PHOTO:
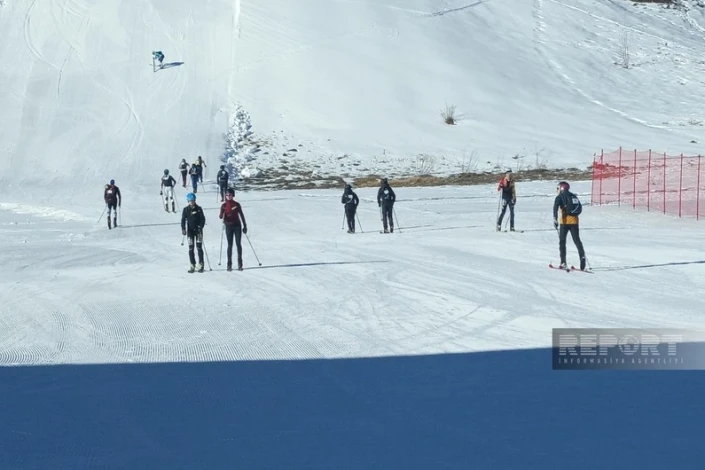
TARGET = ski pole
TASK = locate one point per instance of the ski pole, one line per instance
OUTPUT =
(358, 223)
(253, 249)
(342, 225)
(221, 245)
(101, 215)
(206, 252)
(395, 216)
(183, 239)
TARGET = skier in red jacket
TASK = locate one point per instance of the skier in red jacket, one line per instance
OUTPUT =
(231, 213)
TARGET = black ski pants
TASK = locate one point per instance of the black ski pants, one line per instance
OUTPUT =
(236, 231)
(112, 212)
(195, 238)
(223, 188)
(388, 216)
(183, 177)
(574, 230)
(507, 202)
(350, 210)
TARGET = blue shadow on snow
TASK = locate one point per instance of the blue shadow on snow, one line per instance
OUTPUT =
(489, 410)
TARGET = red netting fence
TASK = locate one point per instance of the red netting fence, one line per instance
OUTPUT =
(673, 184)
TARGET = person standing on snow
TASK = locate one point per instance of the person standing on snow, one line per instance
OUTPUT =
(571, 208)
(183, 167)
(509, 198)
(385, 200)
(113, 199)
(222, 178)
(193, 172)
(167, 190)
(231, 214)
(192, 222)
(201, 166)
(351, 201)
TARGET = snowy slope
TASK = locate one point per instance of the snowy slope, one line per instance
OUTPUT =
(356, 87)
(421, 349)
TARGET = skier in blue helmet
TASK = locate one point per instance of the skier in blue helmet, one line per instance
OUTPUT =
(192, 222)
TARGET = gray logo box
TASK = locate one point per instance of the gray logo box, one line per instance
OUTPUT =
(628, 349)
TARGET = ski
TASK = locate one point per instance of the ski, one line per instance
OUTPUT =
(589, 271)
(558, 267)
(515, 231)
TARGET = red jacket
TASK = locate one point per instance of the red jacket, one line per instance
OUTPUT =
(231, 213)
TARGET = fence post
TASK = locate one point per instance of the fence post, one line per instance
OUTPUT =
(648, 187)
(634, 189)
(664, 182)
(680, 191)
(697, 201)
(619, 179)
(602, 171)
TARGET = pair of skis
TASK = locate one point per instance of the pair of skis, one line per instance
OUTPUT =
(569, 269)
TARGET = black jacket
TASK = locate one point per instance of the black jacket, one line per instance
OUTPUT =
(194, 216)
(386, 195)
(349, 197)
(223, 177)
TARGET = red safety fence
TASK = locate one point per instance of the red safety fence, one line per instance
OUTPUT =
(646, 179)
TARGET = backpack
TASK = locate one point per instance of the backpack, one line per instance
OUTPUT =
(573, 206)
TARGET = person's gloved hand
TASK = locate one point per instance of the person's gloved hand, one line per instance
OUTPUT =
(555, 224)
(244, 229)
(183, 232)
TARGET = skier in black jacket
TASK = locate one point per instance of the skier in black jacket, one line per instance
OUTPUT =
(223, 178)
(192, 222)
(351, 201)
(385, 200)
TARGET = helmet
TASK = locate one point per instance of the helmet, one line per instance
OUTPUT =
(563, 185)
(190, 197)
(509, 170)
(384, 181)
(222, 167)
(166, 172)
(347, 186)
(112, 181)
(183, 159)
(230, 191)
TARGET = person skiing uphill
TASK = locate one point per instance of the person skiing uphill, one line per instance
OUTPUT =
(159, 56)
(193, 172)
(167, 190)
(509, 198)
(201, 166)
(385, 200)
(351, 201)
(222, 178)
(571, 208)
(183, 167)
(192, 222)
(231, 214)
(113, 199)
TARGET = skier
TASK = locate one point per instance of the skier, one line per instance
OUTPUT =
(385, 200)
(222, 178)
(571, 208)
(159, 56)
(167, 190)
(351, 201)
(193, 172)
(113, 199)
(231, 213)
(183, 167)
(509, 198)
(196, 219)
(201, 166)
